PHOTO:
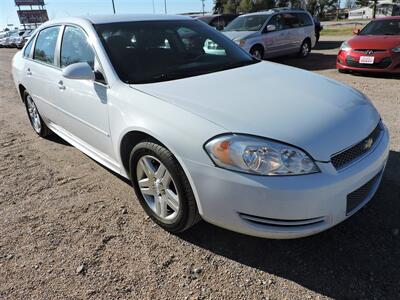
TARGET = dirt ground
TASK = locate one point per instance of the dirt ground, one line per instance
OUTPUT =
(70, 229)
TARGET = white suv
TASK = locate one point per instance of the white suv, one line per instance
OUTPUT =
(273, 33)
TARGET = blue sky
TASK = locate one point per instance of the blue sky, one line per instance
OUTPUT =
(62, 8)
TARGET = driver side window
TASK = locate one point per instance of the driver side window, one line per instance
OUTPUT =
(277, 21)
(75, 48)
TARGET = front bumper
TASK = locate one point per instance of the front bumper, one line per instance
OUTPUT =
(384, 62)
(287, 206)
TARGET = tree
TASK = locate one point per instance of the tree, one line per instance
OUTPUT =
(218, 6)
(350, 4)
(231, 6)
(246, 5)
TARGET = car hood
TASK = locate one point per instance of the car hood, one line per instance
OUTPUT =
(374, 42)
(314, 113)
(233, 35)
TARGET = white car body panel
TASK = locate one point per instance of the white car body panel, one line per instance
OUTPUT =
(268, 100)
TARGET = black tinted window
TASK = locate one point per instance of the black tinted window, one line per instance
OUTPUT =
(46, 45)
(152, 51)
(290, 21)
(304, 20)
(75, 48)
(28, 48)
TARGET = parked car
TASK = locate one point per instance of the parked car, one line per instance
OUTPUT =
(15, 38)
(219, 22)
(5, 39)
(272, 33)
(23, 36)
(222, 137)
(376, 48)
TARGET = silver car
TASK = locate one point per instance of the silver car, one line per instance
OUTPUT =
(273, 33)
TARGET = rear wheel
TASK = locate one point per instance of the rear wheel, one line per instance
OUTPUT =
(305, 49)
(257, 52)
(162, 187)
(34, 117)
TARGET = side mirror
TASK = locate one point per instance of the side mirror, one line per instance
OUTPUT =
(220, 27)
(80, 71)
(271, 28)
(356, 31)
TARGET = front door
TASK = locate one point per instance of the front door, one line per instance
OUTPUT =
(275, 42)
(84, 103)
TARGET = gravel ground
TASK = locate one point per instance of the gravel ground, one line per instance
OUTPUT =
(71, 229)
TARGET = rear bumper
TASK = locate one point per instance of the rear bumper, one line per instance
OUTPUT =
(385, 62)
(289, 206)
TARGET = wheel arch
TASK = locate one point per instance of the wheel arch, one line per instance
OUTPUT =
(134, 136)
(21, 90)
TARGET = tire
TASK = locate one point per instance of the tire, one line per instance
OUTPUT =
(153, 192)
(34, 117)
(305, 48)
(343, 71)
(257, 52)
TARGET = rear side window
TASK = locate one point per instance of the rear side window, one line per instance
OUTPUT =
(75, 48)
(28, 48)
(46, 45)
(290, 21)
(304, 20)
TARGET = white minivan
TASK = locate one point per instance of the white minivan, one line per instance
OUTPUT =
(273, 33)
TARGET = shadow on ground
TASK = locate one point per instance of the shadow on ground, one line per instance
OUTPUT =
(359, 258)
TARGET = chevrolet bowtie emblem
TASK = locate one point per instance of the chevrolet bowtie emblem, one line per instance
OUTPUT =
(368, 143)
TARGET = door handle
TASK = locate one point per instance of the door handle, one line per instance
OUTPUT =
(61, 85)
(28, 72)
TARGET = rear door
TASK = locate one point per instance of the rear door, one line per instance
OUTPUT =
(41, 71)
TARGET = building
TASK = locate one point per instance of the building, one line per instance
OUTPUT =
(383, 8)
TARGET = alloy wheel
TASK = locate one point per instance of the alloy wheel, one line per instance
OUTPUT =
(158, 188)
(33, 114)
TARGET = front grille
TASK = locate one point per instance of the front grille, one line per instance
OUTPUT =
(357, 197)
(383, 64)
(280, 222)
(342, 159)
(369, 51)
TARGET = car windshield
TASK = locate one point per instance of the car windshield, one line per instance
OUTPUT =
(153, 51)
(382, 27)
(247, 23)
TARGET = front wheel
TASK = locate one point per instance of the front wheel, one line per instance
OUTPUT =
(305, 49)
(162, 187)
(257, 52)
(34, 117)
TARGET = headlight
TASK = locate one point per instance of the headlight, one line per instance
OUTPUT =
(345, 47)
(396, 50)
(259, 156)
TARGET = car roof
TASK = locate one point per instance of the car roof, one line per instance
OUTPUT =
(101, 19)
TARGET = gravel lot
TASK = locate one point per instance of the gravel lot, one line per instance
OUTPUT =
(70, 229)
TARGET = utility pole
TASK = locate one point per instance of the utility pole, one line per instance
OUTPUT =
(154, 8)
(165, 6)
(113, 6)
(204, 5)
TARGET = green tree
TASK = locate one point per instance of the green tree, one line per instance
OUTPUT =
(231, 7)
(218, 6)
(246, 6)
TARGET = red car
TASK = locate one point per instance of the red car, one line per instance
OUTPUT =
(376, 48)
